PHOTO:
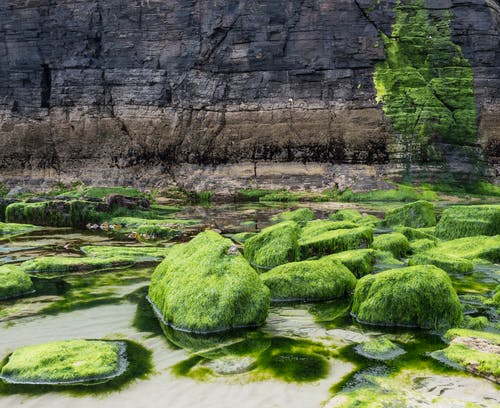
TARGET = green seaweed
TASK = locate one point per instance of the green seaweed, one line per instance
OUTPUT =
(14, 282)
(358, 261)
(300, 216)
(379, 348)
(395, 242)
(448, 263)
(465, 221)
(416, 233)
(472, 248)
(419, 214)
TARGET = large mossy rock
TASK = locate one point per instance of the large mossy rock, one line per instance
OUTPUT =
(473, 351)
(416, 296)
(467, 221)
(273, 246)
(65, 362)
(323, 279)
(14, 282)
(419, 214)
(395, 242)
(358, 261)
(333, 241)
(206, 285)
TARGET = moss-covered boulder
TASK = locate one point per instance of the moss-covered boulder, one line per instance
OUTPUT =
(421, 245)
(333, 241)
(314, 228)
(477, 247)
(301, 216)
(467, 221)
(419, 214)
(474, 351)
(323, 279)
(358, 261)
(380, 348)
(273, 246)
(65, 362)
(14, 282)
(416, 233)
(394, 242)
(416, 296)
(448, 263)
(206, 285)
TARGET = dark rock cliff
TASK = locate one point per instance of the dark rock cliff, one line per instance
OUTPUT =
(117, 84)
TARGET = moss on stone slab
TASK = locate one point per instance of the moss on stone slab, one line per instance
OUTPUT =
(137, 253)
(16, 229)
(14, 282)
(421, 245)
(47, 264)
(314, 228)
(65, 362)
(300, 216)
(448, 263)
(273, 246)
(318, 280)
(416, 296)
(466, 221)
(380, 348)
(358, 261)
(394, 242)
(419, 214)
(346, 215)
(416, 233)
(334, 241)
(472, 248)
(206, 285)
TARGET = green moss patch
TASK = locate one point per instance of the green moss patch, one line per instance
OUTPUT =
(395, 242)
(137, 253)
(358, 261)
(416, 296)
(14, 282)
(309, 280)
(448, 263)
(422, 245)
(206, 285)
(301, 216)
(333, 241)
(419, 214)
(65, 362)
(314, 228)
(380, 348)
(12, 229)
(273, 246)
(471, 220)
(416, 233)
(354, 216)
(472, 248)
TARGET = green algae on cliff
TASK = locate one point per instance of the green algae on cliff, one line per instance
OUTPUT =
(14, 282)
(206, 285)
(416, 296)
(465, 221)
(426, 84)
(323, 279)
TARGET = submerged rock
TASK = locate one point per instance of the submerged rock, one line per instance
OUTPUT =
(323, 279)
(14, 282)
(358, 261)
(416, 215)
(395, 242)
(201, 287)
(66, 362)
(379, 348)
(273, 246)
(471, 220)
(416, 296)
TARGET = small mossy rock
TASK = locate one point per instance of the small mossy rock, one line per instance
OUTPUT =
(386, 258)
(300, 216)
(450, 264)
(416, 296)
(205, 285)
(477, 247)
(475, 323)
(346, 215)
(394, 242)
(309, 280)
(14, 282)
(416, 233)
(155, 232)
(380, 348)
(358, 261)
(419, 214)
(65, 362)
(466, 221)
(421, 245)
(338, 240)
(317, 227)
(273, 246)
(473, 351)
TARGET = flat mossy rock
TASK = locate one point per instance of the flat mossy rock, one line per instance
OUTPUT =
(395, 242)
(206, 285)
(317, 227)
(416, 233)
(14, 282)
(65, 362)
(467, 221)
(450, 264)
(379, 348)
(354, 216)
(136, 253)
(301, 216)
(473, 351)
(273, 246)
(421, 245)
(416, 296)
(16, 229)
(333, 241)
(477, 247)
(318, 280)
(419, 214)
(358, 261)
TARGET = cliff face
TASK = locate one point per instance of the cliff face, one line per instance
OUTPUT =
(125, 83)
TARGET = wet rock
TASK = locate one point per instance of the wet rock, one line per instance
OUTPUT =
(379, 348)
(231, 365)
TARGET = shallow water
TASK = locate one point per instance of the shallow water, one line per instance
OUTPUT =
(304, 356)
